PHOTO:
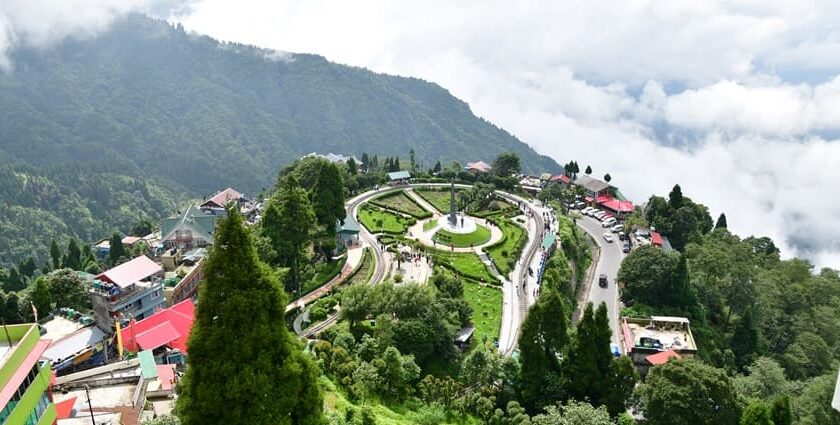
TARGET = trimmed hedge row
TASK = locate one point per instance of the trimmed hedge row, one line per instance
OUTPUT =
(378, 202)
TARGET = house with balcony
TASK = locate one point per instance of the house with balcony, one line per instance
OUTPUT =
(24, 377)
(594, 188)
(132, 290)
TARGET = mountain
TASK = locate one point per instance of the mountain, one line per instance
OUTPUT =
(183, 114)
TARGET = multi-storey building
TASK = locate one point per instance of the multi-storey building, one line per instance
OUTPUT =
(132, 290)
(24, 377)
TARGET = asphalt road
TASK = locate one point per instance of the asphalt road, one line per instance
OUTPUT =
(608, 264)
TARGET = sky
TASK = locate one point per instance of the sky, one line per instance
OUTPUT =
(737, 101)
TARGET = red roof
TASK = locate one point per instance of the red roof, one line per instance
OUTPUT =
(166, 327)
(656, 238)
(587, 198)
(618, 206)
(662, 357)
(130, 240)
(561, 177)
(65, 408)
(166, 374)
(221, 199)
(131, 272)
(602, 198)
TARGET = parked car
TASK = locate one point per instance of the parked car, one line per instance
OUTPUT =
(580, 204)
(625, 248)
(608, 237)
(587, 210)
(608, 222)
(602, 281)
(599, 215)
(617, 228)
(621, 236)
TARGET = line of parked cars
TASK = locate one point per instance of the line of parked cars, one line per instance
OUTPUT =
(610, 222)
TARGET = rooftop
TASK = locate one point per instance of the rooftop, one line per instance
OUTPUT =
(350, 225)
(131, 272)
(479, 166)
(592, 184)
(221, 199)
(194, 219)
(399, 175)
(170, 327)
(658, 333)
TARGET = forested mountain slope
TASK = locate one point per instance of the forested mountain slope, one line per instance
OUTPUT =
(207, 114)
(98, 132)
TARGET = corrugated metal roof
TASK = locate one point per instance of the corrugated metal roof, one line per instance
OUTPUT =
(147, 364)
(131, 272)
(399, 175)
(68, 346)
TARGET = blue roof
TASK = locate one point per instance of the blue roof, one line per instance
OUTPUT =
(548, 240)
(399, 175)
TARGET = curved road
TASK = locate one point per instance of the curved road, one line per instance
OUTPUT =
(515, 293)
(608, 264)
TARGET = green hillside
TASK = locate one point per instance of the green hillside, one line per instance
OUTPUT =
(180, 113)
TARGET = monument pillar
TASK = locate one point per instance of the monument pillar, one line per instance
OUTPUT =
(453, 219)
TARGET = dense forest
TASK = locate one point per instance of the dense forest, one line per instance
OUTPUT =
(149, 105)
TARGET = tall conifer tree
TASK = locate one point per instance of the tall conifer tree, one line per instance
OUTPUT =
(244, 366)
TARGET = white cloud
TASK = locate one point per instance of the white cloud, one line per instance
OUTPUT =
(616, 84)
(40, 22)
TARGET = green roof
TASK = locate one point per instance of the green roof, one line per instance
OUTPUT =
(193, 218)
(147, 364)
(350, 225)
(548, 240)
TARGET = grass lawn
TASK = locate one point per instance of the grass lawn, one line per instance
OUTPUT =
(324, 272)
(438, 198)
(463, 240)
(486, 303)
(513, 233)
(377, 220)
(400, 201)
(465, 263)
(429, 225)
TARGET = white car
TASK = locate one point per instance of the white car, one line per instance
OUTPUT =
(599, 215)
(608, 222)
(617, 228)
(608, 237)
(587, 210)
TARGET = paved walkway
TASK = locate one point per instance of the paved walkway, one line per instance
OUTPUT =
(416, 232)
(354, 257)
(423, 203)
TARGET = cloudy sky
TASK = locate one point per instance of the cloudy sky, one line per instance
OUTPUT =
(737, 101)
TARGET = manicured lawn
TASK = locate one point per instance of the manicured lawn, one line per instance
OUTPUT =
(377, 220)
(486, 303)
(400, 201)
(429, 225)
(365, 269)
(467, 264)
(438, 198)
(513, 233)
(463, 240)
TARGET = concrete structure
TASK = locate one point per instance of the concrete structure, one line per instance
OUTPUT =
(645, 339)
(594, 187)
(130, 290)
(164, 334)
(24, 377)
(453, 217)
(187, 286)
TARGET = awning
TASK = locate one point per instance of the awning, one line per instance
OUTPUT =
(158, 336)
(655, 238)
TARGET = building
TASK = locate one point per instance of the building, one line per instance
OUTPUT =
(647, 340)
(399, 177)
(75, 344)
(164, 333)
(615, 206)
(191, 229)
(594, 188)
(560, 178)
(221, 199)
(348, 233)
(131, 290)
(186, 287)
(24, 377)
(478, 167)
(334, 158)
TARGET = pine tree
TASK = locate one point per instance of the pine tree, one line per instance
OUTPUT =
(543, 337)
(15, 282)
(587, 366)
(588, 170)
(607, 177)
(116, 250)
(41, 297)
(288, 222)
(12, 311)
(28, 267)
(721, 221)
(746, 339)
(55, 253)
(73, 259)
(243, 362)
(352, 167)
(365, 161)
(411, 160)
(437, 167)
(328, 198)
(675, 198)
